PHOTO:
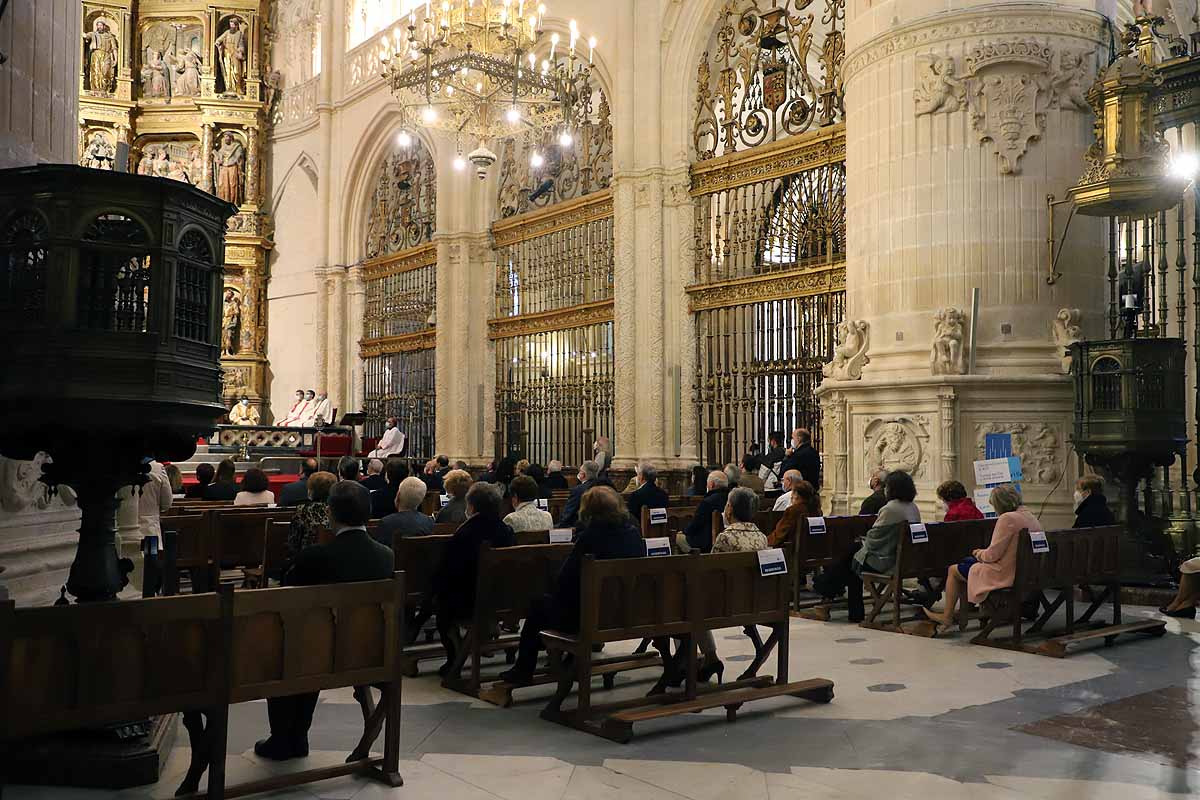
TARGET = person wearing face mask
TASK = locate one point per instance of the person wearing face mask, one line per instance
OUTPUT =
(301, 412)
(293, 414)
(952, 495)
(243, 413)
(391, 443)
(803, 458)
(309, 416)
(603, 455)
(1091, 506)
(323, 409)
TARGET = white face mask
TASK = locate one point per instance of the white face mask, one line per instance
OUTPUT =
(795, 444)
(245, 402)
(1079, 498)
(941, 504)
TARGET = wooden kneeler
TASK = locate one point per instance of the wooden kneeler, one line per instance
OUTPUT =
(671, 596)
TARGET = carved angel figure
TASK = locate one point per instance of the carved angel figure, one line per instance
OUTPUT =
(1067, 81)
(938, 88)
(945, 355)
(1066, 333)
(850, 355)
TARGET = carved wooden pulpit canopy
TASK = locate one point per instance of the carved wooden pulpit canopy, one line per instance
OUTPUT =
(110, 304)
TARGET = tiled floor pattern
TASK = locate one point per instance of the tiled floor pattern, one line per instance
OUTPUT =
(912, 719)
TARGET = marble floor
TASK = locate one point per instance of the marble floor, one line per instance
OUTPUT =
(913, 719)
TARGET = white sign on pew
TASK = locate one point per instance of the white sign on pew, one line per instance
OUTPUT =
(816, 526)
(991, 471)
(658, 516)
(543, 504)
(918, 533)
(561, 536)
(445, 500)
(1039, 541)
(660, 546)
(771, 562)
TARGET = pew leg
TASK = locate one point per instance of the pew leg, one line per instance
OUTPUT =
(566, 679)
(217, 737)
(642, 647)
(193, 723)
(762, 653)
(390, 702)
(783, 641)
(373, 719)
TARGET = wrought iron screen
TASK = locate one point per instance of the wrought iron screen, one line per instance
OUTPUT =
(402, 385)
(553, 330)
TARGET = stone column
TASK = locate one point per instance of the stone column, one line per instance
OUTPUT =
(252, 166)
(335, 371)
(356, 290)
(321, 335)
(959, 123)
(206, 146)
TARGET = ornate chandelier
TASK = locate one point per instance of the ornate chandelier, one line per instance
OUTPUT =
(472, 67)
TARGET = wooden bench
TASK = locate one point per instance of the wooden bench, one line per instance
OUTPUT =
(418, 557)
(1085, 557)
(71, 667)
(196, 552)
(809, 552)
(949, 543)
(678, 596)
(445, 528)
(556, 503)
(678, 518)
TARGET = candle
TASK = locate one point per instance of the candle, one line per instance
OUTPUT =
(591, 48)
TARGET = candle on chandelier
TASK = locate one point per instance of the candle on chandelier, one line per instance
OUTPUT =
(553, 44)
(591, 48)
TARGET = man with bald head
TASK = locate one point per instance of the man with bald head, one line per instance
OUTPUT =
(790, 479)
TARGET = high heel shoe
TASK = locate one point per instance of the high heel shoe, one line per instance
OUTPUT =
(1180, 613)
(705, 673)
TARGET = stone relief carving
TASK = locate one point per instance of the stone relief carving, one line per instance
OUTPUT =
(100, 152)
(404, 204)
(1066, 333)
(20, 489)
(180, 161)
(896, 443)
(172, 59)
(1039, 446)
(850, 354)
(1006, 86)
(946, 353)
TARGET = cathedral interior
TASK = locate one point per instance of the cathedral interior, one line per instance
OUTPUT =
(925, 238)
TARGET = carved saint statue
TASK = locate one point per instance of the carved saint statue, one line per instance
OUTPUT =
(945, 356)
(231, 50)
(187, 72)
(1067, 332)
(850, 355)
(231, 322)
(230, 156)
(156, 81)
(99, 154)
(100, 55)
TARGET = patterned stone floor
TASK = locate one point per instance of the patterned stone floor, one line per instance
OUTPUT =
(912, 719)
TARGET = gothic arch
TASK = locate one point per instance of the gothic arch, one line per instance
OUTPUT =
(305, 164)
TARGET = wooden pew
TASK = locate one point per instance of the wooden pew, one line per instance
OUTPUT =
(1084, 557)
(683, 501)
(445, 528)
(418, 557)
(556, 503)
(432, 504)
(196, 552)
(681, 596)
(678, 518)
(767, 520)
(949, 543)
(274, 556)
(812, 552)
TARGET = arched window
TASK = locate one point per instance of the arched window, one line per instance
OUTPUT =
(365, 18)
(1106, 384)
(23, 266)
(114, 281)
(193, 287)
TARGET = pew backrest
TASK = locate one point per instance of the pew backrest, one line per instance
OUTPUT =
(195, 548)
(444, 528)
(532, 537)
(1076, 556)
(418, 557)
(678, 518)
(767, 520)
(509, 578)
(949, 543)
(810, 551)
(307, 638)
(275, 548)
(634, 598)
(67, 667)
(731, 591)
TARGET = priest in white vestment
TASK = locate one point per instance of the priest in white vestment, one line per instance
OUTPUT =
(303, 415)
(292, 415)
(323, 409)
(243, 413)
(391, 443)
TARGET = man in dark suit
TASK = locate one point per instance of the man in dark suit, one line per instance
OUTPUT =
(296, 492)
(648, 494)
(436, 480)
(605, 533)
(374, 479)
(698, 535)
(453, 589)
(204, 476)
(589, 471)
(383, 501)
(408, 519)
(352, 556)
(348, 468)
(803, 458)
(555, 481)
(225, 486)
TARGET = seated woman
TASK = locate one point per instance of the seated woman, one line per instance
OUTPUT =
(605, 530)
(312, 516)
(453, 589)
(878, 551)
(456, 482)
(805, 503)
(958, 505)
(255, 491)
(995, 566)
(1184, 604)
(1091, 506)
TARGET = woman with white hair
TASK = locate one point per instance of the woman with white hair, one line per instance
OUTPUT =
(995, 566)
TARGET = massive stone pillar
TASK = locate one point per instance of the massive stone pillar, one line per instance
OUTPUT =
(356, 301)
(335, 382)
(959, 124)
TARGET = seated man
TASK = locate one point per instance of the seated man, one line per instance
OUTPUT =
(391, 443)
(348, 468)
(301, 414)
(589, 472)
(699, 535)
(204, 476)
(790, 479)
(374, 479)
(243, 413)
(351, 556)
(407, 519)
(648, 494)
(453, 590)
(296, 492)
(383, 501)
(605, 531)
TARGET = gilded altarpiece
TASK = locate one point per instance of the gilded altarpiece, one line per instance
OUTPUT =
(179, 89)
(769, 188)
(400, 274)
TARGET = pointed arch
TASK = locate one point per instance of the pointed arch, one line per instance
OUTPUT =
(307, 165)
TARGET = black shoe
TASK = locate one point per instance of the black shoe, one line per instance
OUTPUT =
(857, 618)
(516, 677)
(1179, 613)
(704, 675)
(277, 749)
